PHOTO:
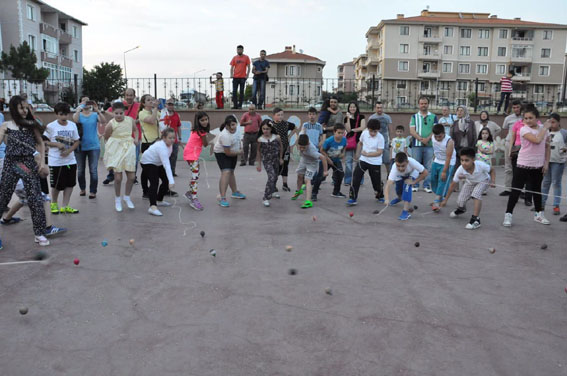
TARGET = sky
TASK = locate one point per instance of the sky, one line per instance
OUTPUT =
(178, 38)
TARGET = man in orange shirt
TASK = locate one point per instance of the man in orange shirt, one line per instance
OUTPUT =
(239, 71)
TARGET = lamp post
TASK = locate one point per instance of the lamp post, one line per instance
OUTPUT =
(199, 71)
(125, 52)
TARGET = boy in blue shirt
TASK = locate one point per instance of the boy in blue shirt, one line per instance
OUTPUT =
(307, 169)
(334, 150)
(312, 128)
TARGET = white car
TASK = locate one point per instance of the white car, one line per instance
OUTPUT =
(42, 107)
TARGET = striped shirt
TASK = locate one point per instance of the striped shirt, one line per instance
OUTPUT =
(505, 85)
(423, 126)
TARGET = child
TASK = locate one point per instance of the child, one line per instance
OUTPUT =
(477, 176)
(369, 150)
(19, 163)
(191, 153)
(532, 162)
(556, 163)
(156, 165)
(399, 144)
(120, 152)
(443, 164)
(149, 124)
(408, 172)
(63, 140)
(219, 88)
(282, 128)
(355, 123)
(485, 146)
(334, 150)
(312, 128)
(307, 168)
(227, 149)
(270, 152)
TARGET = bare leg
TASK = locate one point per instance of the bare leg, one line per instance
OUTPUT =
(232, 182)
(477, 207)
(67, 196)
(223, 182)
(300, 182)
(406, 205)
(308, 189)
(14, 209)
(130, 177)
(284, 180)
(46, 207)
(55, 195)
(117, 183)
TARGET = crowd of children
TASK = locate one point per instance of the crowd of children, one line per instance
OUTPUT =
(356, 146)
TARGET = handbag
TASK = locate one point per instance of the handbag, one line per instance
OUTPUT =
(353, 140)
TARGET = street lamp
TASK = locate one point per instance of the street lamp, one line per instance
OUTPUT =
(125, 52)
(199, 71)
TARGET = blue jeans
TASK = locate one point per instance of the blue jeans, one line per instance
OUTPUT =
(92, 156)
(424, 155)
(403, 190)
(553, 176)
(238, 82)
(173, 157)
(349, 157)
(261, 85)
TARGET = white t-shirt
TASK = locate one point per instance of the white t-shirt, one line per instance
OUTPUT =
(440, 151)
(158, 154)
(413, 169)
(480, 174)
(65, 134)
(371, 145)
(227, 139)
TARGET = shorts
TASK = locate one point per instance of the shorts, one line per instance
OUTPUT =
(62, 177)
(307, 170)
(225, 162)
(21, 193)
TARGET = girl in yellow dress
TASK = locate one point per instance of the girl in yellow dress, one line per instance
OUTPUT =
(121, 136)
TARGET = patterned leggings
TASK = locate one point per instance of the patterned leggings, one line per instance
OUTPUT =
(24, 168)
(272, 169)
(194, 166)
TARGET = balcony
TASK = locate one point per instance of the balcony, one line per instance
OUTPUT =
(432, 73)
(525, 58)
(429, 55)
(433, 38)
(66, 62)
(64, 37)
(48, 29)
(49, 57)
(521, 77)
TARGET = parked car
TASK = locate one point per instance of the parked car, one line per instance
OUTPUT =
(42, 107)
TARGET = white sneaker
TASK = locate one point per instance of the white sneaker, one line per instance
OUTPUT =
(118, 204)
(128, 202)
(414, 189)
(163, 203)
(539, 218)
(266, 203)
(276, 195)
(41, 240)
(155, 212)
(427, 190)
(507, 220)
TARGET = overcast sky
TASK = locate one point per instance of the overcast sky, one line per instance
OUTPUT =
(181, 37)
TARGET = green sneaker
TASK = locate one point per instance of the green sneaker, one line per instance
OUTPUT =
(54, 208)
(307, 204)
(298, 193)
(69, 210)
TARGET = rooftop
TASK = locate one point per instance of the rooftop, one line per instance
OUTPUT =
(291, 54)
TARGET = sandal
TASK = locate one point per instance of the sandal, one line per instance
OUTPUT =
(10, 221)
(92, 195)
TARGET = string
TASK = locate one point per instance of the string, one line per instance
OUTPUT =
(192, 223)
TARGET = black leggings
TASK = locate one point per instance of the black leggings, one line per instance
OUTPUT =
(373, 171)
(144, 177)
(154, 174)
(513, 161)
(284, 167)
(531, 178)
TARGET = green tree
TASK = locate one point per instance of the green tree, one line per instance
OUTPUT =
(103, 81)
(21, 63)
(248, 92)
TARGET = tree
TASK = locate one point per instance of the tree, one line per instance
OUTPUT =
(21, 63)
(248, 92)
(103, 81)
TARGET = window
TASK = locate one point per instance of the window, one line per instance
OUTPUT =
(462, 85)
(401, 84)
(483, 34)
(401, 100)
(31, 13)
(482, 86)
(501, 69)
(521, 51)
(403, 66)
(75, 32)
(76, 56)
(49, 44)
(448, 32)
(483, 51)
(538, 89)
(448, 50)
(447, 67)
(292, 70)
(427, 32)
(503, 34)
(482, 68)
(544, 70)
(501, 51)
(65, 73)
(444, 85)
(425, 85)
(404, 48)
(318, 69)
(318, 91)
(464, 68)
(466, 33)
(546, 52)
(461, 101)
(292, 89)
(32, 42)
(404, 30)
(548, 34)
(465, 51)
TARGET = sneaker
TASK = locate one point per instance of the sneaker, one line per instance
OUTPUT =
(395, 201)
(54, 208)
(307, 204)
(69, 210)
(172, 194)
(404, 216)
(313, 196)
(556, 211)
(296, 195)
(266, 203)
(507, 220)
(473, 224)
(504, 193)
(52, 230)
(128, 202)
(351, 202)
(338, 195)
(136, 181)
(414, 189)
(528, 202)
(276, 195)
(243, 163)
(455, 213)
(238, 195)
(145, 196)
(188, 196)
(540, 218)
(195, 204)
(564, 218)
(224, 203)
(41, 240)
(163, 203)
(427, 190)
(107, 181)
(381, 200)
(155, 212)
(10, 221)
(285, 188)
(118, 205)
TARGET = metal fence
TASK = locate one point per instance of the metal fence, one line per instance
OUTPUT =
(301, 93)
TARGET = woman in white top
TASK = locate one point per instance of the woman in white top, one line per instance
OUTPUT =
(155, 164)
(485, 121)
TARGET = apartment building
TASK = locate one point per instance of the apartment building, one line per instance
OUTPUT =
(345, 77)
(443, 54)
(56, 39)
(294, 77)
